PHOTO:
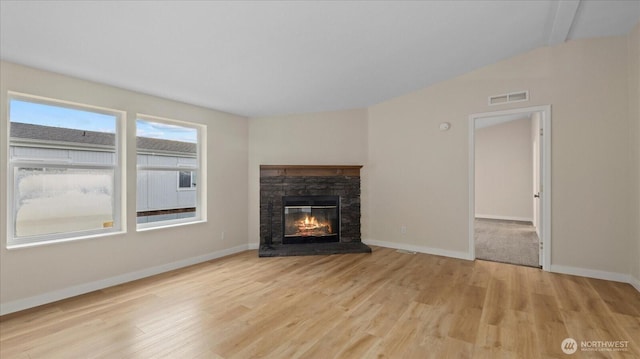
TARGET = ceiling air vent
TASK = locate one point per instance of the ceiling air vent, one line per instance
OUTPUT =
(509, 97)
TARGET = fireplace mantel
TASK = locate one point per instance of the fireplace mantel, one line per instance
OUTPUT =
(309, 170)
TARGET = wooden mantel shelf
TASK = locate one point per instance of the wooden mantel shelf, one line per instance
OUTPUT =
(309, 170)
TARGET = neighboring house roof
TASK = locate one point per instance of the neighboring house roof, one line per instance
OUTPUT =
(24, 132)
(154, 144)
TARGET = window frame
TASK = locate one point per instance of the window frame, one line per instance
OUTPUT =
(118, 197)
(199, 168)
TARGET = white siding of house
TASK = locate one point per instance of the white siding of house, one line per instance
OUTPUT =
(160, 191)
(67, 155)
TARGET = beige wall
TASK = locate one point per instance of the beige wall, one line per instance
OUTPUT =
(504, 171)
(418, 175)
(634, 117)
(327, 138)
(36, 271)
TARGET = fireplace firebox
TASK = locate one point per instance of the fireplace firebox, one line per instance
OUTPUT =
(310, 219)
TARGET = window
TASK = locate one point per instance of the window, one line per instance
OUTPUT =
(168, 161)
(64, 170)
(186, 180)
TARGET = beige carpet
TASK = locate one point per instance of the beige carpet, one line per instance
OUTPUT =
(506, 241)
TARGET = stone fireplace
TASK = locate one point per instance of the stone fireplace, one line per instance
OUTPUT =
(310, 210)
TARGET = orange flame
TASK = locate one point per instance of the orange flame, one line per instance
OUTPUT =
(311, 226)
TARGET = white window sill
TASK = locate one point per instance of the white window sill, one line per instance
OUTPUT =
(61, 240)
(151, 226)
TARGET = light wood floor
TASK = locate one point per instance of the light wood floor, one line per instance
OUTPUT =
(381, 305)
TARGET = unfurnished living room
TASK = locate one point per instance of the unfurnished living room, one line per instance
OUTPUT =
(320, 179)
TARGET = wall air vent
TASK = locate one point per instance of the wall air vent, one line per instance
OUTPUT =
(509, 97)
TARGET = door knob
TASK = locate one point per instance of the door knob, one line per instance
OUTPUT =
(537, 195)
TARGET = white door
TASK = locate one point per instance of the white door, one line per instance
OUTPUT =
(536, 118)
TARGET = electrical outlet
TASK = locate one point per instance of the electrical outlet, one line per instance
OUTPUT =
(403, 229)
(222, 236)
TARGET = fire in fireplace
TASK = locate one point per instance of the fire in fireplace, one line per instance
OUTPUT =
(311, 219)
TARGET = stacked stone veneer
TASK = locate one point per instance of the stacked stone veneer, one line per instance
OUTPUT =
(273, 188)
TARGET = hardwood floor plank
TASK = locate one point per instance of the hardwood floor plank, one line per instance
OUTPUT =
(333, 342)
(381, 305)
(359, 347)
(436, 323)
(549, 325)
(617, 297)
(403, 332)
(302, 340)
(465, 324)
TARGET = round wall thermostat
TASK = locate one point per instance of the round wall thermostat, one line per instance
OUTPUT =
(445, 126)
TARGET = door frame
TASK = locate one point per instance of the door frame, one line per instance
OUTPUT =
(545, 195)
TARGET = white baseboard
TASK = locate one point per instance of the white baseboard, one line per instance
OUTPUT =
(635, 282)
(50, 297)
(421, 249)
(597, 274)
(504, 218)
(253, 245)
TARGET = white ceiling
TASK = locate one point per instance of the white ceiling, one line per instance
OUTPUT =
(268, 58)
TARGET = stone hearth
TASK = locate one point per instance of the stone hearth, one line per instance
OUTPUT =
(277, 181)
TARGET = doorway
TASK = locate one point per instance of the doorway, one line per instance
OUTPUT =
(517, 213)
